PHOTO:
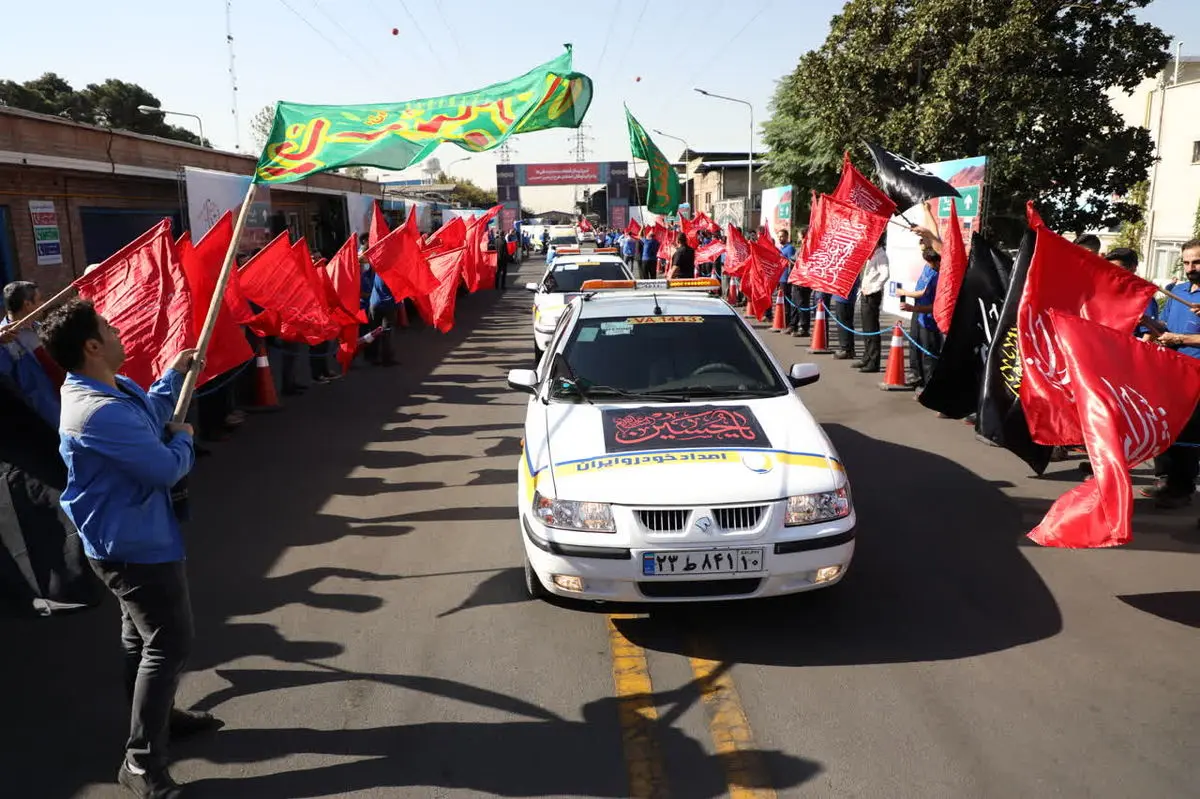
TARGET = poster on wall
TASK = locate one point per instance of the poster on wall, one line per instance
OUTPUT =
(45, 232)
(210, 194)
(969, 176)
(360, 209)
(729, 212)
(776, 212)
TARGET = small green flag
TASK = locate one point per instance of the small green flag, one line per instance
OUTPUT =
(663, 191)
(307, 139)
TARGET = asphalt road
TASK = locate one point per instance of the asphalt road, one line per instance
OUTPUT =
(362, 629)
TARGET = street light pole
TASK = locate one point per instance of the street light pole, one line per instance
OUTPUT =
(686, 151)
(149, 109)
(750, 154)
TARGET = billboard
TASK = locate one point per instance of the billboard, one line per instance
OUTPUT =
(969, 176)
(562, 174)
(210, 194)
(776, 210)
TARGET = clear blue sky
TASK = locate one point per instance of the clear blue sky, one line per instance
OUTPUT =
(343, 51)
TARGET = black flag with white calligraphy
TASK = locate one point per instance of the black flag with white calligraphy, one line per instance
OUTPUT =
(1001, 417)
(954, 387)
(905, 182)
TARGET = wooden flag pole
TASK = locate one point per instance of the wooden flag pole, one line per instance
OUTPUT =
(37, 312)
(214, 308)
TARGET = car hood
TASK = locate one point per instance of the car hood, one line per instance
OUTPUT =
(690, 453)
(550, 307)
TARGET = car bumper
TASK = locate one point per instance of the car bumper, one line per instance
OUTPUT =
(614, 573)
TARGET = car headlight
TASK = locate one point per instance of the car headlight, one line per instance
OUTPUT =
(570, 514)
(545, 325)
(822, 507)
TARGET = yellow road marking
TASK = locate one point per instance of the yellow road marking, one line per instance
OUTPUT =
(638, 716)
(730, 729)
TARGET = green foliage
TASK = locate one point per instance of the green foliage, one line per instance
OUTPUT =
(469, 192)
(1022, 82)
(112, 104)
(261, 124)
(1132, 234)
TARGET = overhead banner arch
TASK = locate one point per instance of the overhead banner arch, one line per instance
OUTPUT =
(613, 174)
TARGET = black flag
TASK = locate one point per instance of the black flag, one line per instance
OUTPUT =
(954, 387)
(1001, 418)
(908, 184)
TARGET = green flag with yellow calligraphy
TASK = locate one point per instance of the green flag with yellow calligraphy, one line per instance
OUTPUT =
(662, 191)
(307, 139)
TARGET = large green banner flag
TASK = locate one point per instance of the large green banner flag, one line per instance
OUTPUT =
(307, 139)
(662, 192)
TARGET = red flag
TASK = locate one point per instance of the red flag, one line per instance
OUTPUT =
(437, 306)
(379, 225)
(475, 272)
(276, 280)
(143, 292)
(737, 252)
(344, 281)
(584, 225)
(840, 240)
(710, 252)
(450, 236)
(691, 230)
(633, 228)
(202, 264)
(856, 190)
(761, 277)
(705, 222)
(399, 260)
(1131, 400)
(950, 276)
(1066, 277)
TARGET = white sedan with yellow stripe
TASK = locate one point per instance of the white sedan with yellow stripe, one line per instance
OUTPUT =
(667, 456)
(561, 283)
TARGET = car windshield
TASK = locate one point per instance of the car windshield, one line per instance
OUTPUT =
(664, 357)
(570, 277)
(559, 239)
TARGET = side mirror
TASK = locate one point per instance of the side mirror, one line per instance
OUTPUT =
(524, 380)
(802, 374)
(531, 287)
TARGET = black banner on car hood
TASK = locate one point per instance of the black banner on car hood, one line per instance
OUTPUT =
(696, 426)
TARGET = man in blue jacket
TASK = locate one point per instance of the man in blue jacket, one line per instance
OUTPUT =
(123, 455)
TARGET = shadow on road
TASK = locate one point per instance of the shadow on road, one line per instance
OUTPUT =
(1181, 607)
(937, 575)
(542, 754)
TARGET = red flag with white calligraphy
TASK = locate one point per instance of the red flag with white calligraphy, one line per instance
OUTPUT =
(761, 277)
(1130, 399)
(710, 252)
(854, 188)
(1066, 277)
(737, 252)
(951, 274)
(840, 240)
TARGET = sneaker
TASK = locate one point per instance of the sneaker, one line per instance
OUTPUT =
(856, 365)
(149, 784)
(1169, 502)
(186, 723)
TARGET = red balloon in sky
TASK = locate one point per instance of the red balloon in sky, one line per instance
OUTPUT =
(395, 31)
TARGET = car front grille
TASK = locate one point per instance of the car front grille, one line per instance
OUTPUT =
(663, 521)
(729, 519)
(691, 589)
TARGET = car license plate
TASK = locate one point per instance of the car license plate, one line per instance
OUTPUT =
(702, 561)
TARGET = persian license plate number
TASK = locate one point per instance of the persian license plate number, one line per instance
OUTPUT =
(702, 561)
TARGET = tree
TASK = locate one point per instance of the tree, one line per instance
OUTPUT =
(260, 126)
(1132, 234)
(356, 172)
(113, 104)
(1022, 82)
(468, 192)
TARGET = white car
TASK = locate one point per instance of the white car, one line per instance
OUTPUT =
(561, 283)
(668, 458)
(561, 236)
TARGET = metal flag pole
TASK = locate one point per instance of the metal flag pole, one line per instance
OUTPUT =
(214, 308)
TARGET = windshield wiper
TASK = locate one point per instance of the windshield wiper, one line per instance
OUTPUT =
(713, 391)
(666, 396)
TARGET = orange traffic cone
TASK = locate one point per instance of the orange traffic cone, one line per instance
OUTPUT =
(777, 323)
(820, 335)
(733, 289)
(894, 379)
(265, 398)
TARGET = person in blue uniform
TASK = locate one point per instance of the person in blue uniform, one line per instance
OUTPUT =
(1178, 467)
(923, 329)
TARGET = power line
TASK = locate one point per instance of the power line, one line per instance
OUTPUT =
(453, 36)
(348, 35)
(629, 40)
(695, 74)
(327, 40)
(417, 27)
(612, 22)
